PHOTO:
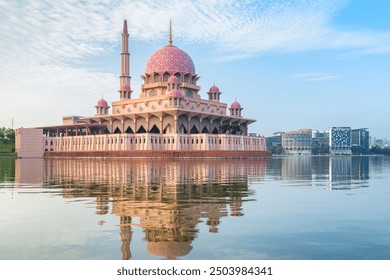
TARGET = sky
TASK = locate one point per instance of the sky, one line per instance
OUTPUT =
(291, 64)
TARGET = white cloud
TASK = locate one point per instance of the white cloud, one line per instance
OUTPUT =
(315, 76)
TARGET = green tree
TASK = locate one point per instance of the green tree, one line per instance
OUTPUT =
(7, 135)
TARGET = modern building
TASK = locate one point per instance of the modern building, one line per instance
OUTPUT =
(297, 141)
(170, 117)
(320, 142)
(340, 140)
(274, 142)
(360, 141)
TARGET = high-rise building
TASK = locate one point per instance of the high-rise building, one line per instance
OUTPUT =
(340, 140)
(360, 140)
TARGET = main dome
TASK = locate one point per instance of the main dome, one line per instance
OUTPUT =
(172, 59)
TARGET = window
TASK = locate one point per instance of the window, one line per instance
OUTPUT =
(166, 77)
(156, 78)
(189, 93)
(177, 75)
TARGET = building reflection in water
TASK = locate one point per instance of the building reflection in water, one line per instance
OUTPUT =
(167, 199)
(338, 172)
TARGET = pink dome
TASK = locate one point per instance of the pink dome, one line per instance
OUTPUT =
(214, 89)
(175, 93)
(171, 59)
(102, 103)
(173, 80)
(125, 87)
(235, 105)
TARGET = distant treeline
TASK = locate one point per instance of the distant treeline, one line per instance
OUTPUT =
(376, 150)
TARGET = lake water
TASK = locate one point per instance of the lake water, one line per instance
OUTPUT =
(302, 207)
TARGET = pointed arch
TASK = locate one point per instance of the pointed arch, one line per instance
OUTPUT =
(205, 130)
(166, 76)
(177, 75)
(155, 130)
(117, 130)
(194, 130)
(129, 130)
(156, 77)
(215, 131)
(167, 129)
(106, 131)
(152, 93)
(182, 129)
(141, 129)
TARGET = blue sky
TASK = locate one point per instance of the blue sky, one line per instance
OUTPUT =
(291, 64)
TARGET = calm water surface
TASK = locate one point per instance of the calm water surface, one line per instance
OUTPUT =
(280, 208)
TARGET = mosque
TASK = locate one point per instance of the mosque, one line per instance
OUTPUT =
(169, 119)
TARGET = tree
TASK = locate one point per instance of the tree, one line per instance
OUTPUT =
(7, 135)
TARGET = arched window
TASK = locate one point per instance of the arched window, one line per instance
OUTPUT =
(182, 129)
(168, 129)
(156, 78)
(152, 93)
(186, 78)
(155, 130)
(177, 75)
(189, 93)
(141, 130)
(166, 76)
(194, 130)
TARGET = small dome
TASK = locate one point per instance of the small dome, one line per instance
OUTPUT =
(125, 87)
(176, 93)
(235, 105)
(214, 89)
(102, 103)
(173, 80)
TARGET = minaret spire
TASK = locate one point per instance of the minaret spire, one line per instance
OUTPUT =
(170, 32)
(124, 84)
(125, 26)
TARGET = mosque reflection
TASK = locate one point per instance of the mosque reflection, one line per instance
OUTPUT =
(167, 199)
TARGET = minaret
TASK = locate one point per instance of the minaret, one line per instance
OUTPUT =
(170, 33)
(124, 86)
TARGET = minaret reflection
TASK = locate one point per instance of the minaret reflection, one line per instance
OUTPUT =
(166, 199)
(126, 234)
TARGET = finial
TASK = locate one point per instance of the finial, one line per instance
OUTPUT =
(125, 27)
(170, 32)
